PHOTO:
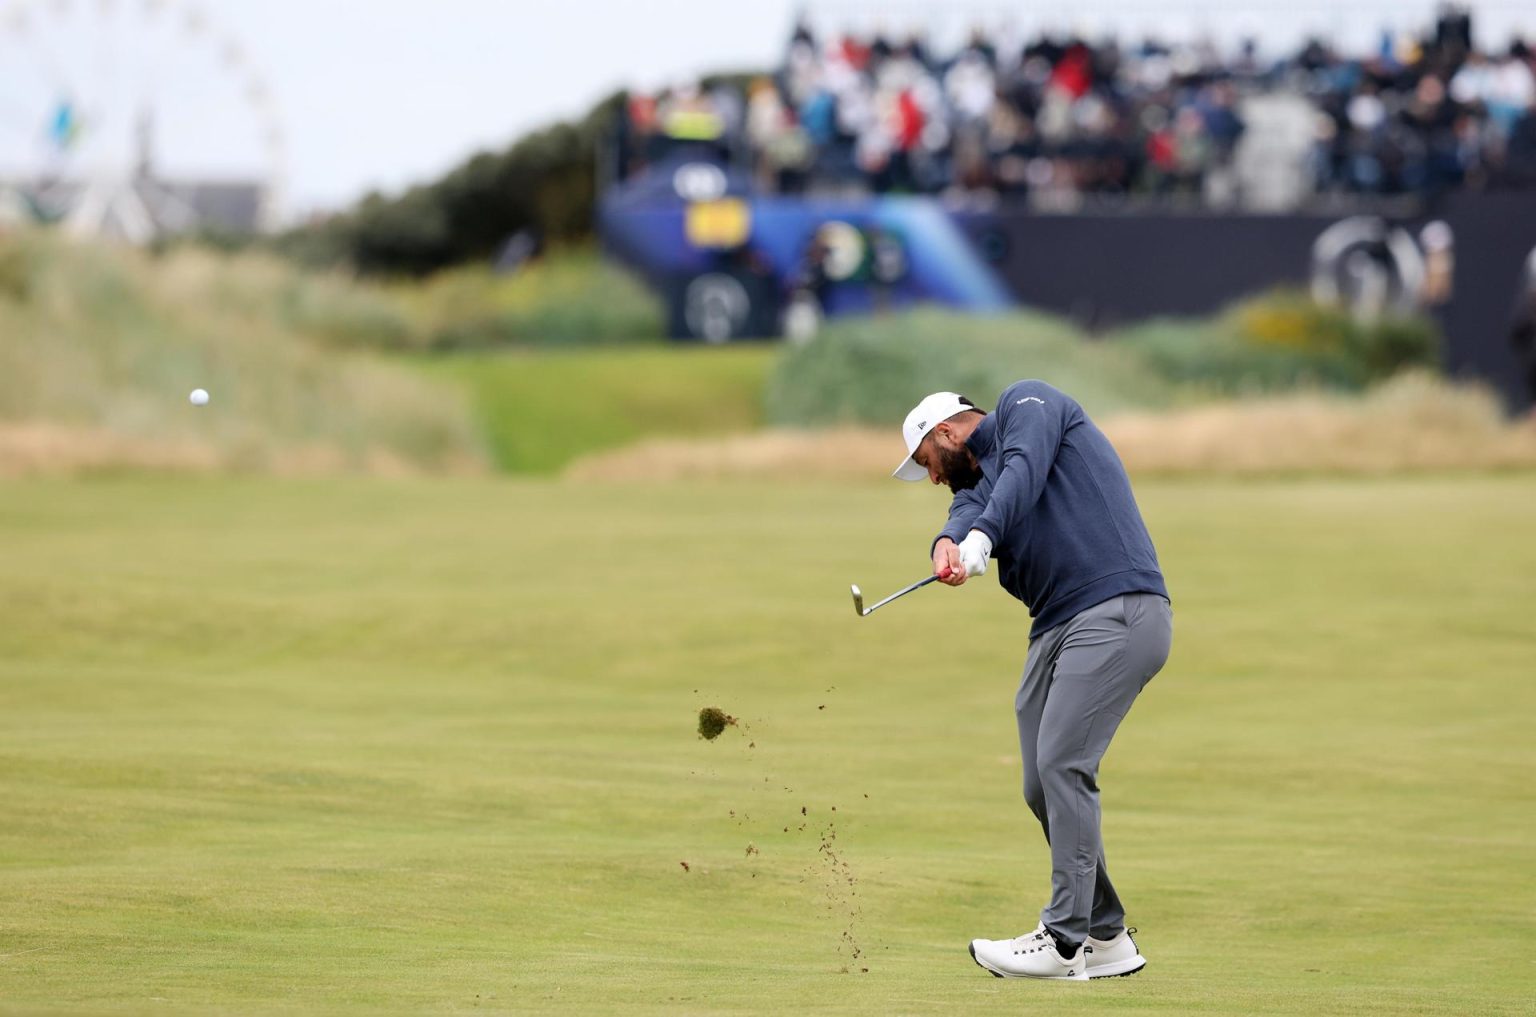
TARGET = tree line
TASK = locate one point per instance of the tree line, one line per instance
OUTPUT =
(544, 185)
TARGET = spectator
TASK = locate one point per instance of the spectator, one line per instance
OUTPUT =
(1060, 120)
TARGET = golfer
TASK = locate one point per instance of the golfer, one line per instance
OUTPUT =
(1038, 487)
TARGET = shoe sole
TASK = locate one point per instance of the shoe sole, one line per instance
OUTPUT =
(971, 948)
(1119, 969)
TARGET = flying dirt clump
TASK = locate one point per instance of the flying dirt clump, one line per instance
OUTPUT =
(713, 720)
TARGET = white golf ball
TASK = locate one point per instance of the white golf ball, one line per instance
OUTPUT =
(199, 397)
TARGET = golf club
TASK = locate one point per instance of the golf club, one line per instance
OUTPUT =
(858, 596)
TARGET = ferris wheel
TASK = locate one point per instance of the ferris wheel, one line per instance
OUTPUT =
(134, 119)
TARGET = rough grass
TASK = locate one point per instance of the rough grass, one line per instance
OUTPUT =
(43, 449)
(101, 347)
(417, 747)
(1412, 423)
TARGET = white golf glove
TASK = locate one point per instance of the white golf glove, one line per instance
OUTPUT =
(975, 549)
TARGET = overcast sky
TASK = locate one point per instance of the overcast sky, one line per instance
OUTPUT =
(378, 94)
(382, 93)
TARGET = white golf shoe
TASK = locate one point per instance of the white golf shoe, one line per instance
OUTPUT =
(1032, 955)
(1110, 957)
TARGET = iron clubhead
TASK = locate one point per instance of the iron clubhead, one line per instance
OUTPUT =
(858, 595)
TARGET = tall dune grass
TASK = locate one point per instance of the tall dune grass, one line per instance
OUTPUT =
(99, 348)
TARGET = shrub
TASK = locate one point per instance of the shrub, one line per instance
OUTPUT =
(1282, 340)
(568, 298)
(872, 370)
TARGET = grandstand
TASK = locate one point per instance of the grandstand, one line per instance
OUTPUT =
(1105, 178)
(1062, 122)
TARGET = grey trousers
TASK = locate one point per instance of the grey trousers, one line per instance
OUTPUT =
(1079, 682)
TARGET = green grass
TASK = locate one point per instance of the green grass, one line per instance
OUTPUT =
(348, 746)
(540, 410)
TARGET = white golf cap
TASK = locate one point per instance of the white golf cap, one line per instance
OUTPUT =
(926, 415)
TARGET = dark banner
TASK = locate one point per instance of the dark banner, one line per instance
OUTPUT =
(1105, 270)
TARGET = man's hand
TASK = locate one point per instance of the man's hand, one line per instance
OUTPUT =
(973, 552)
(946, 559)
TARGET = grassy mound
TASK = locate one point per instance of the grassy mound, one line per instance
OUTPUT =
(872, 370)
(102, 346)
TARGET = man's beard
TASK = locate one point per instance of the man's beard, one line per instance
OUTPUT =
(960, 469)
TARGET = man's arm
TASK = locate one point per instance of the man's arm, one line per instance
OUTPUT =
(1031, 417)
(963, 510)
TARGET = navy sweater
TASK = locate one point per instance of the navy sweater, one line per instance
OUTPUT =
(1057, 505)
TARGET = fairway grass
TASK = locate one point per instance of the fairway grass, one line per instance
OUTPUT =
(414, 746)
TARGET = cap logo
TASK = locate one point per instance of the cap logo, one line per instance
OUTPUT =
(921, 424)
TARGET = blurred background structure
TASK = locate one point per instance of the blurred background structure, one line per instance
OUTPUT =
(1106, 176)
(134, 121)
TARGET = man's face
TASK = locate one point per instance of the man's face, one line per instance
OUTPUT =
(947, 460)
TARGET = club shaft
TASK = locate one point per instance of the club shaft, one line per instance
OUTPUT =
(901, 593)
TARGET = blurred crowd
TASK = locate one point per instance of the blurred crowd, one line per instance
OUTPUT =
(1423, 114)
(1064, 119)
